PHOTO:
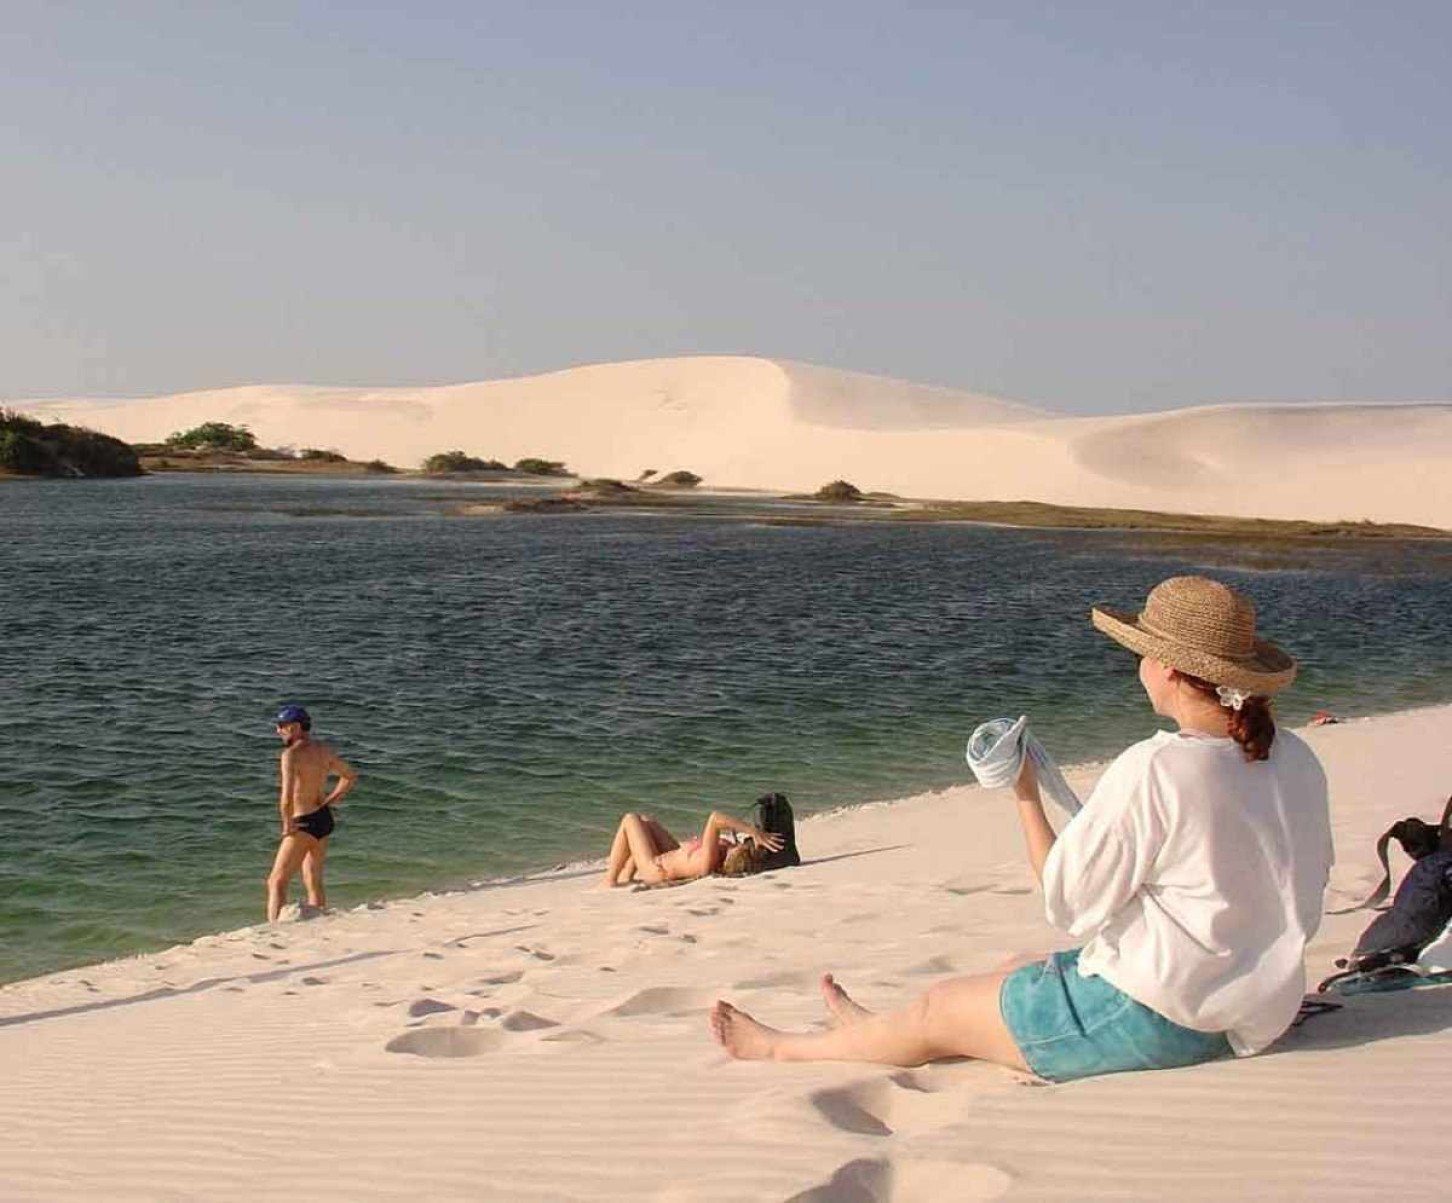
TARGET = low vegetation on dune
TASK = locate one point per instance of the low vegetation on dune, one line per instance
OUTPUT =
(29, 447)
(213, 436)
(446, 462)
(680, 479)
(443, 462)
(224, 447)
(533, 466)
(1042, 514)
(838, 491)
(605, 486)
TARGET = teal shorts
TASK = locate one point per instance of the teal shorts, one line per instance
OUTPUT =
(1070, 1026)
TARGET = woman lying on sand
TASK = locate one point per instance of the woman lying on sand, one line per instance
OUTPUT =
(644, 849)
(1194, 875)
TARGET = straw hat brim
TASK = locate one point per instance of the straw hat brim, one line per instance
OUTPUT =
(1265, 671)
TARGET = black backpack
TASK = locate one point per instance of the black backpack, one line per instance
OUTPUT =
(1422, 907)
(774, 814)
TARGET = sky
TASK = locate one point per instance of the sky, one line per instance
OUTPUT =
(1091, 207)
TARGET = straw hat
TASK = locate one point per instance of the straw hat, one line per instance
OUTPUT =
(1202, 628)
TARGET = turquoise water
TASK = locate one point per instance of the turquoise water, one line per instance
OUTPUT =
(509, 685)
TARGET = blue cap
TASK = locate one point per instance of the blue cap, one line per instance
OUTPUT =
(294, 714)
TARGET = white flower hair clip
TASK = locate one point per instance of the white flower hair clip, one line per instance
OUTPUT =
(1230, 696)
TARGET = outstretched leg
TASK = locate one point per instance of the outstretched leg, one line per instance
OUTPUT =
(955, 1018)
(290, 853)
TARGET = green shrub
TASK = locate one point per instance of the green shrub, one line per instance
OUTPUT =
(457, 461)
(378, 465)
(680, 480)
(606, 486)
(838, 490)
(541, 467)
(30, 447)
(214, 436)
(314, 455)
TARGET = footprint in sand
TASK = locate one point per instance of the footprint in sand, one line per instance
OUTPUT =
(655, 930)
(314, 981)
(662, 1000)
(433, 956)
(786, 977)
(908, 1180)
(964, 890)
(573, 1036)
(933, 966)
(539, 954)
(428, 1006)
(907, 1103)
(526, 1021)
(447, 1042)
(502, 979)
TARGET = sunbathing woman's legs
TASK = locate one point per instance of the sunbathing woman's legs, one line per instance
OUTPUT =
(633, 852)
(955, 1018)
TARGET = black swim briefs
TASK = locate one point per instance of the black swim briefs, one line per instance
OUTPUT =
(316, 823)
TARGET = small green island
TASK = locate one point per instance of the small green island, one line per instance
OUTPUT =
(29, 447)
(224, 447)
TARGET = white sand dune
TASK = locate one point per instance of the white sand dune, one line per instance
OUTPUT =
(769, 424)
(547, 1041)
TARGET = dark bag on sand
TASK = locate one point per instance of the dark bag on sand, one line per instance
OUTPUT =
(1422, 907)
(774, 814)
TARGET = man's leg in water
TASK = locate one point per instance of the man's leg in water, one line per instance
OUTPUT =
(955, 1018)
(289, 858)
(312, 873)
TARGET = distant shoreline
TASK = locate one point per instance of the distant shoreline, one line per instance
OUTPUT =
(1029, 515)
(575, 495)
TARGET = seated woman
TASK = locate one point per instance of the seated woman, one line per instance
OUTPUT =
(1193, 876)
(643, 848)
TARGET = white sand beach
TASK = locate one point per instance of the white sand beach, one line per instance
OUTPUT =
(775, 424)
(546, 1040)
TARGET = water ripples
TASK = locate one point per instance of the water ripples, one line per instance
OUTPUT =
(509, 686)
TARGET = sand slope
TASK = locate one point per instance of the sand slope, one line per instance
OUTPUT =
(780, 425)
(543, 1041)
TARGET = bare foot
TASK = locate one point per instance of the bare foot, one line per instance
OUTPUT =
(740, 1035)
(844, 1010)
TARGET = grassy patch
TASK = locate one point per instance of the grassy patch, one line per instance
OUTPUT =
(1041, 514)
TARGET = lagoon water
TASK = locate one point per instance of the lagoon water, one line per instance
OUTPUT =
(508, 685)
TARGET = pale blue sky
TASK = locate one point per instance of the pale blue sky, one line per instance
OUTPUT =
(1089, 206)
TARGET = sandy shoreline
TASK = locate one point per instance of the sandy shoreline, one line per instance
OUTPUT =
(543, 1040)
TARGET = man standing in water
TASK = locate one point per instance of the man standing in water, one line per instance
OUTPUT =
(307, 816)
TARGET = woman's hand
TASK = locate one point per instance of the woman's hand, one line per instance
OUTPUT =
(769, 840)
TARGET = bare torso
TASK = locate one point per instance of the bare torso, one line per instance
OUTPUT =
(689, 860)
(306, 767)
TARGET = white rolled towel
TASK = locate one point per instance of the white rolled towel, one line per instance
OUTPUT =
(995, 754)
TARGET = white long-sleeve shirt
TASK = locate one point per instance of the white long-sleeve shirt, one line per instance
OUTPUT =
(1198, 879)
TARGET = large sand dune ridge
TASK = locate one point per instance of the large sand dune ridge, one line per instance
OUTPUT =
(776, 424)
